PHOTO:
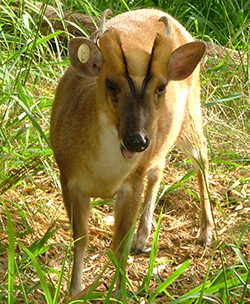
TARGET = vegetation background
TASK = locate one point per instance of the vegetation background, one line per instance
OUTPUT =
(35, 239)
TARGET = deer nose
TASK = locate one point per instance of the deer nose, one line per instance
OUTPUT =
(136, 142)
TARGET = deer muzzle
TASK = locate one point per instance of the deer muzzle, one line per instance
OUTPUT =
(134, 143)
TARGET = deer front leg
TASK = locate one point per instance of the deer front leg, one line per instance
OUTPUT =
(78, 208)
(144, 229)
(126, 210)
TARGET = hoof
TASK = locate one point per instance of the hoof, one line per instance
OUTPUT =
(205, 237)
(136, 251)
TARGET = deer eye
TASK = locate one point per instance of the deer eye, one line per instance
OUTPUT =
(161, 89)
(111, 86)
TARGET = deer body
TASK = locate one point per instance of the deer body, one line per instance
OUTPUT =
(131, 93)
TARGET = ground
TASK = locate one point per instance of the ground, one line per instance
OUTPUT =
(176, 243)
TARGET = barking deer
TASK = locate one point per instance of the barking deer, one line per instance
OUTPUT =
(130, 94)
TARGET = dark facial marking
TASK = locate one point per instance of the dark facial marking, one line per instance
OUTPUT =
(146, 79)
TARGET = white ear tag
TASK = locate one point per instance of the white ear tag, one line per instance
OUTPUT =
(83, 53)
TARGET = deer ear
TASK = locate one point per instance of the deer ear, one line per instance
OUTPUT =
(85, 57)
(184, 60)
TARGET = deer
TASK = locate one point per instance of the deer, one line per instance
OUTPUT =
(131, 93)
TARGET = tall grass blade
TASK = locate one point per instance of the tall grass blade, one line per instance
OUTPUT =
(182, 181)
(59, 282)
(23, 101)
(242, 233)
(153, 255)
(119, 265)
(48, 38)
(240, 256)
(170, 279)
(11, 257)
(38, 247)
(22, 287)
(223, 99)
(39, 271)
(117, 272)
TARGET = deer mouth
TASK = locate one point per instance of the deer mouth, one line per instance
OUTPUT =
(127, 153)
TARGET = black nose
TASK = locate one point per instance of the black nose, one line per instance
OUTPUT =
(136, 142)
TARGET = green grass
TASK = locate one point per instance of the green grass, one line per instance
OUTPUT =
(31, 64)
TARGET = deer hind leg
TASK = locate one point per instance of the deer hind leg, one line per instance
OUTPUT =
(144, 229)
(78, 207)
(195, 146)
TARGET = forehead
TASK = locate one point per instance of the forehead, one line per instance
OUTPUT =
(137, 62)
(121, 59)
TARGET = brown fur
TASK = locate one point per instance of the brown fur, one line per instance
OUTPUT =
(121, 91)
